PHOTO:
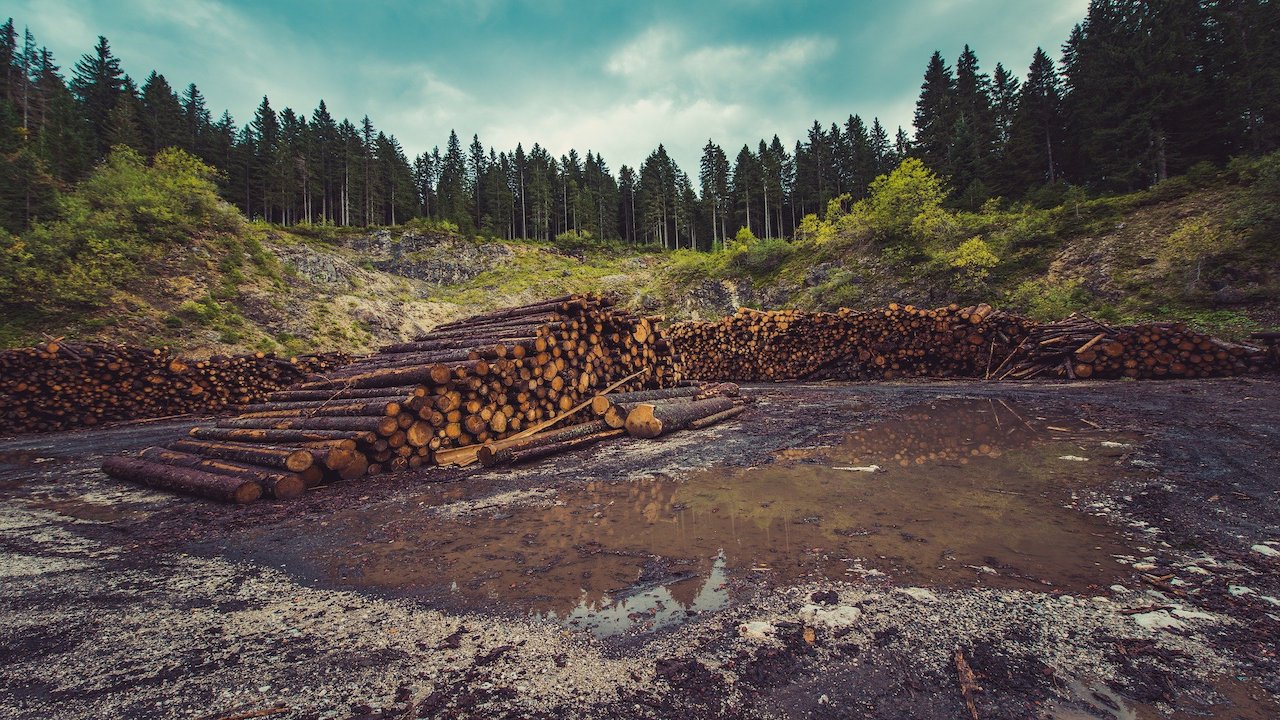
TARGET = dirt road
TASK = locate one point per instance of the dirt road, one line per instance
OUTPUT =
(1092, 550)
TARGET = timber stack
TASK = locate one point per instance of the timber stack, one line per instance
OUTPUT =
(59, 386)
(1080, 347)
(893, 342)
(949, 342)
(506, 378)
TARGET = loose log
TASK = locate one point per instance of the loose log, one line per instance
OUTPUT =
(271, 436)
(281, 486)
(187, 480)
(649, 420)
(492, 454)
(283, 458)
(534, 453)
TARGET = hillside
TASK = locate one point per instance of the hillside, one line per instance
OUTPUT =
(1200, 248)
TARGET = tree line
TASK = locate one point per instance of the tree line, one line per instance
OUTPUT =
(1142, 91)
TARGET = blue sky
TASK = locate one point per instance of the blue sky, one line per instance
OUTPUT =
(617, 78)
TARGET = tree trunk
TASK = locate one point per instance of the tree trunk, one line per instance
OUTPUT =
(650, 421)
(187, 480)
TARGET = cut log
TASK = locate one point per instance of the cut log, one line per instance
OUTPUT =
(650, 420)
(501, 452)
(283, 458)
(534, 453)
(279, 485)
(187, 480)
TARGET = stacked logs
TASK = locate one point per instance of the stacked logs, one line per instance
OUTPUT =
(57, 386)
(896, 341)
(973, 342)
(495, 376)
(1081, 347)
(640, 413)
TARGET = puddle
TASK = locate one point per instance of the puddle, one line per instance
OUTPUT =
(967, 492)
(85, 510)
(23, 458)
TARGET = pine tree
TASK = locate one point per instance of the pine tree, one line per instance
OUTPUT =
(974, 132)
(713, 180)
(746, 188)
(161, 121)
(97, 82)
(197, 122)
(627, 203)
(122, 126)
(8, 64)
(935, 117)
(1036, 131)
(881, 150)
(862, 158)
(453, 184)
(61, 140)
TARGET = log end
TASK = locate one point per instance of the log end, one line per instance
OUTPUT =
(642, 423)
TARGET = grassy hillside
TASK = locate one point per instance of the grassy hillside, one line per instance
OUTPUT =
(148, 255)
(1203, 248)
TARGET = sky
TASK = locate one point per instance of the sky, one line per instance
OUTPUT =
(614, 78)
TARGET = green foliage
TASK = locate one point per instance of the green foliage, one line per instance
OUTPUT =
(432, 225)
(743, 239)
(758, 258)
(1045, 299)
(905, 202)
(1187, 248)
(972, 262)
(125, 214)
(1226, 323)
(1257, 209)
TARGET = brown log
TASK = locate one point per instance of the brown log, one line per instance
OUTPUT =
(279, 485)
(269, 436)
(534, 453)
(187, 480)
(501, 452)
(283, 458)
(649, 420)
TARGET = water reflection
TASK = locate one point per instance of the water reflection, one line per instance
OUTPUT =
(968, 492)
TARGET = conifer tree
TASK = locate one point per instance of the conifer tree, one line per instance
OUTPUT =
(97, 82)
(935, 117)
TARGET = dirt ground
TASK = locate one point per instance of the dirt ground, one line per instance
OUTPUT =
(1088, 550)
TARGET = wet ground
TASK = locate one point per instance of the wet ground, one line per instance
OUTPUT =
(1091, 551)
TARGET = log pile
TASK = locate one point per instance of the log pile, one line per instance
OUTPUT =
(1080, 347)
(893, 342)
(973, 342)
(58, 386)
(494, 377)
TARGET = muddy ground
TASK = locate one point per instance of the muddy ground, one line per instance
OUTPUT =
(1091, 550)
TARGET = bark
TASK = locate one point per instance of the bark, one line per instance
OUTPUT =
(186, 480)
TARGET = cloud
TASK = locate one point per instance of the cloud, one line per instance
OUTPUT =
(663, 58)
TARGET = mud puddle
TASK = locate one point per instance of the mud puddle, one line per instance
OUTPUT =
(951, 493)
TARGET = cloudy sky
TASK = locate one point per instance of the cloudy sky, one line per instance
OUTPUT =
(617, 78)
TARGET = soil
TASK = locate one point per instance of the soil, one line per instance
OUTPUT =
(1090, 550)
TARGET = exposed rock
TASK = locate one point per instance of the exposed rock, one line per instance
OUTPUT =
(439, 259)
(831, 617)
(327, 268)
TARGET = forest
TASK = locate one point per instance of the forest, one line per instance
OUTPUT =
(1140, 92)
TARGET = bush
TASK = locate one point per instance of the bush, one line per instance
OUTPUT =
(125, 213)
(1045, 299)
(761, 257)
(899, 198)
(432, 225)
(971, 262)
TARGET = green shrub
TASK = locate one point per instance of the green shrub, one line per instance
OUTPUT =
(760, 258)
(123, 215)
(1043, 299)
